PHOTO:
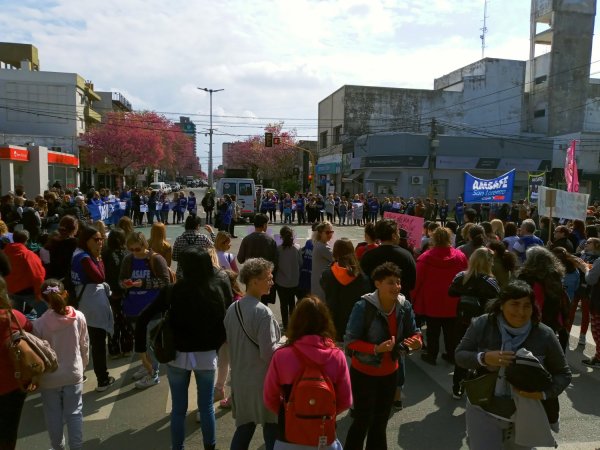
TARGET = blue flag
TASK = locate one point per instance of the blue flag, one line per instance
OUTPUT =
(496, 190)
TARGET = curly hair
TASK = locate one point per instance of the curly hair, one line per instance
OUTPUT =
(541, 264)
(254, 268)
(543, 267)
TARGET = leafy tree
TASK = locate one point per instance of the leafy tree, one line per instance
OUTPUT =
(139, 140)
(275, 163)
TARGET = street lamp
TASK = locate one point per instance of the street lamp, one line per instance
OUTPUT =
(210, 132)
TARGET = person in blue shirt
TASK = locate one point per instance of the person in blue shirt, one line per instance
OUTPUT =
(300, 207)
(191, 203)
(373, 209)
(181, 207)
(459, 211)
(95, 207)
(527, 239)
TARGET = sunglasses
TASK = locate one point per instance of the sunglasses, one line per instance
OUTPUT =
(135, 250)
(329, 232)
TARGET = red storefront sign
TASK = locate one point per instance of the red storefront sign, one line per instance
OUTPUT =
(63, 158)
(14, 154)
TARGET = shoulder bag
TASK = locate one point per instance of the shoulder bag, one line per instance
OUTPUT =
(162, 338)
(30, 355)
(480, 389)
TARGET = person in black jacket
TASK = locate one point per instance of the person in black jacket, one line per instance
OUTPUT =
(388, 233)
(197, 308)
(475, 287)
(344, 284)
(120, 343)
(60, 248)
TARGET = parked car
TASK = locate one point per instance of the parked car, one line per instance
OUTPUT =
(175, 186)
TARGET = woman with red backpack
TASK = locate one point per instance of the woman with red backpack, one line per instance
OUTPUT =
(310, 347)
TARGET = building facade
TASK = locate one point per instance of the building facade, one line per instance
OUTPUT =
(43, 109)
(534, 107)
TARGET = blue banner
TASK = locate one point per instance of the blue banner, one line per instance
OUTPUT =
(496, 190)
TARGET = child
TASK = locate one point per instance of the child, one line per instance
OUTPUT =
(223, 355)
(66, 330)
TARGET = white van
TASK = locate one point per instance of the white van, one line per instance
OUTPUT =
(160, 187)
(244, 190)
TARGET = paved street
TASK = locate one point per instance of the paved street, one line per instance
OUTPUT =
(125, 418)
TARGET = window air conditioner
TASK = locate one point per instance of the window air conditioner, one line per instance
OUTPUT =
(416, 180)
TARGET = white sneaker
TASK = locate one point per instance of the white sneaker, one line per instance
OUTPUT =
(140, 373)
(582, 339)
(147, 381)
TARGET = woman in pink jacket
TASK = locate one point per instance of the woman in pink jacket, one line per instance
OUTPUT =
(436, 268)
(310, 332)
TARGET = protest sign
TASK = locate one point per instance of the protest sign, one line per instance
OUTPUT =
(412, 224)
(569, 205)
(535, 180)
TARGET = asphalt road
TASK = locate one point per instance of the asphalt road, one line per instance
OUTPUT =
(126, 418)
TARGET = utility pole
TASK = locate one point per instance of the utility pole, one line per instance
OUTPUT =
(434, 143)
(210, 133)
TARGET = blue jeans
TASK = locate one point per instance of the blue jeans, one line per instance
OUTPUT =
(243, 435)
(64, 405)
(179, 380)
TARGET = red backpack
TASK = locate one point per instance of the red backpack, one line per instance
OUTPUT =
(311, 409)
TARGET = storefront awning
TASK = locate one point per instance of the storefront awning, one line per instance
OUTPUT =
(353, 178)
(381, 177)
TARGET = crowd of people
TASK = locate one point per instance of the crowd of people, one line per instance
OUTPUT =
(491, 285)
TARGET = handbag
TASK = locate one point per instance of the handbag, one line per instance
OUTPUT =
(162, 338)
(480, 390)
(30, 355)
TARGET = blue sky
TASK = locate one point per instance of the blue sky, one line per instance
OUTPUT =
(275, 59)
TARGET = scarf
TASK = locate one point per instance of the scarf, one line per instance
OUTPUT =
(512, 340)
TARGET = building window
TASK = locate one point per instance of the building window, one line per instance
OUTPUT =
(323, 139)
(539, 113)
(540, 80)
(337, 134)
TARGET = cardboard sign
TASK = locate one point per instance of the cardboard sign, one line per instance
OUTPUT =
(412, 224)
(568, 205)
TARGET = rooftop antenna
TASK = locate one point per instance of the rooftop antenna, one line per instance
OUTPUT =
(484, 29)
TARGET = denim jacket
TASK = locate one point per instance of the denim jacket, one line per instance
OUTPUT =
(378, 330)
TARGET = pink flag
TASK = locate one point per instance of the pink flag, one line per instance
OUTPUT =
(571, 175)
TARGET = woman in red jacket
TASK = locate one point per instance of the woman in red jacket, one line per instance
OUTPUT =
(12, 397)
(436, 268)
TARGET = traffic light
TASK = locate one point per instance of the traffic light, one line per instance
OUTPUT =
(276, 140)
(268, 139)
